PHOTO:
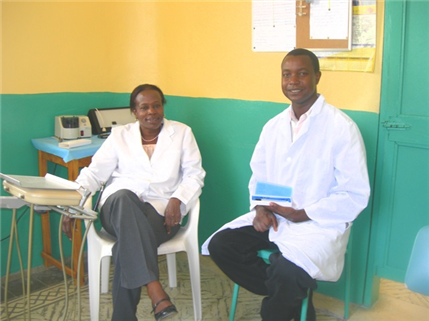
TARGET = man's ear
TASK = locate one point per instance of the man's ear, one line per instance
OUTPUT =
(318, 76)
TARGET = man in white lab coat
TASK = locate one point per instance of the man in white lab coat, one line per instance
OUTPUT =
(318, 151)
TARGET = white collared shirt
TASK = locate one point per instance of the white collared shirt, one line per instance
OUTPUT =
(296, 124)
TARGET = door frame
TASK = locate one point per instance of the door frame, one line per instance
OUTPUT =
(393, 42)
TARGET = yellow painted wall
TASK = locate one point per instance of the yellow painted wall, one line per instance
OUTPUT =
(188, 48)
(77, 46)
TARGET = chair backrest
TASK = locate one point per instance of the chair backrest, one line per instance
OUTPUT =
(417, 275)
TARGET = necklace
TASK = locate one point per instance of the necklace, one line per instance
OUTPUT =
(149, 140)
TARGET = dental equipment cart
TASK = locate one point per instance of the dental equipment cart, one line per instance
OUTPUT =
(49, 193)
(72, 159)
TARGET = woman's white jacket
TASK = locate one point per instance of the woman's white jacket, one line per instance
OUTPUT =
(175, 169)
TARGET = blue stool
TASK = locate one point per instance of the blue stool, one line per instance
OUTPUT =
(265, 255)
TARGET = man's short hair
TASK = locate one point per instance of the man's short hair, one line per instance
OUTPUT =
(305, 52)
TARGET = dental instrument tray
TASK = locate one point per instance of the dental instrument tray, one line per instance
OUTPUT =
(48, 182)
(49, 193)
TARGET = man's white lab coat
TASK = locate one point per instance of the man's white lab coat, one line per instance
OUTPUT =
(326, 167)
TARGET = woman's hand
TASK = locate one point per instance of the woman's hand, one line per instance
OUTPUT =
(289, 213)
(172, 213)
(264, 219)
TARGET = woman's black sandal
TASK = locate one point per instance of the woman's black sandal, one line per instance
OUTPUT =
(164, 313)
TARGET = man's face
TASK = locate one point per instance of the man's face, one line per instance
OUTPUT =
(299, 81)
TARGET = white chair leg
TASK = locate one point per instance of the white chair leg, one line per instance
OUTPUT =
(171, 267)
(94, 286)
(194, 272)
(105, 272)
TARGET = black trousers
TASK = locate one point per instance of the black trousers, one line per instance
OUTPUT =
(139, 230)
(283, 283)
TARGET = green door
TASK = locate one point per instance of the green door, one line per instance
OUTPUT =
(401, 196)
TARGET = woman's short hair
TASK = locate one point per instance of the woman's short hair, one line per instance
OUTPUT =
(141, 88)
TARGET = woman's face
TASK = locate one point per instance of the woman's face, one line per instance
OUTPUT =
(149, 110)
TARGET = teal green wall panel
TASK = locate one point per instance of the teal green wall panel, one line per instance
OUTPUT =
(226, 131)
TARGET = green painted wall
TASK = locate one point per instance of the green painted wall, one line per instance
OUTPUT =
(226, 130)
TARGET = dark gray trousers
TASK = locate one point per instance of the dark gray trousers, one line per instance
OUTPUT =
(283, 283)
(139, 230)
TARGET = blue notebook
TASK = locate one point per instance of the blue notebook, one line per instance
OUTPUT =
(266, 193)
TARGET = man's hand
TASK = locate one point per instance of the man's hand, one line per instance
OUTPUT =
(172, 213)
(288, 213)
(264, 219)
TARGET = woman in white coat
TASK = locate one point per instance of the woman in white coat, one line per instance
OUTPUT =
(153, 174)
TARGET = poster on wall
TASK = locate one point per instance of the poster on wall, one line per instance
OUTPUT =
(362, 56)
(274, 26)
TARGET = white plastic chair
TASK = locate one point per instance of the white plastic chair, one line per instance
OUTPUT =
(100, 245)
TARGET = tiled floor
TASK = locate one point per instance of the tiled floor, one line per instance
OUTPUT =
(47, 300)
